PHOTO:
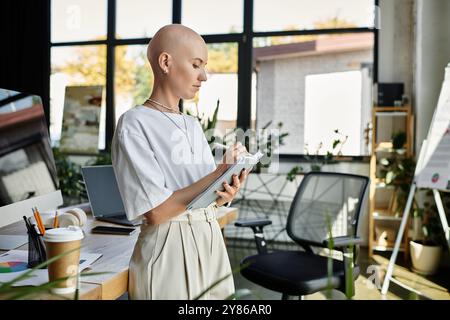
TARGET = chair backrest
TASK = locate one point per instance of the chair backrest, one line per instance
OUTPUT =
(326, 199)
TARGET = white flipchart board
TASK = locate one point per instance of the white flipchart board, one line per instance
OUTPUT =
(433, 170)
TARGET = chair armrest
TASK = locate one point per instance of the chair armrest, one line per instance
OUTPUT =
(257, 226)
(344, 241)
(250, 223)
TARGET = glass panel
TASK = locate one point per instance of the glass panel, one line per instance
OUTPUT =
(305, 14)
(221, 85)
(142, 18)
(343, 89)
(75, 66)
(221, 16)
(311, 87)
(78, 20)
(133, 78)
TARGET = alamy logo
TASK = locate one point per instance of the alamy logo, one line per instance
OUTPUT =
(374, 277)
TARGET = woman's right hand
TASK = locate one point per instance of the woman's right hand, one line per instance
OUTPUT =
(231, 156)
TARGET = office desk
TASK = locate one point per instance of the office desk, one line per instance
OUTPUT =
(116, 252)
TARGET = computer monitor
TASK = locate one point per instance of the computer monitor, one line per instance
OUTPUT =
(28, 176)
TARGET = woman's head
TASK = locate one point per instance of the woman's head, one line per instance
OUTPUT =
(178, 56)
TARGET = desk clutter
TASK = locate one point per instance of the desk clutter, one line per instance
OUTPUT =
(73, 217)
(36, 248)
(14, 263)
(37, 254)
(51, 237)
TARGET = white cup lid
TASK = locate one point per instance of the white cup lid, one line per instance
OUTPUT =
(70, 233)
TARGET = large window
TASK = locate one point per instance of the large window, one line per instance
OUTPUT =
(315, 85)
(294, 62)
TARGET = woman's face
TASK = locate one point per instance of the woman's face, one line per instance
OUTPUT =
(187, 70)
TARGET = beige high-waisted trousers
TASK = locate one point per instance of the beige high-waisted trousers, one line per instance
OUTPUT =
(180, 259)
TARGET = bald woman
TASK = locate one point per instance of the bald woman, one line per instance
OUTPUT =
(162, 161)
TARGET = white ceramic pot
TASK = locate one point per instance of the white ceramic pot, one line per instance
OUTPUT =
(425, 259)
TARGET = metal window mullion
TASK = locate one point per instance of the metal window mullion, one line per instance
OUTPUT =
(375, 45)
(311, 32)
(110, 48)
(245, 63)
(79, 43)
(47, 65)
(176, 11)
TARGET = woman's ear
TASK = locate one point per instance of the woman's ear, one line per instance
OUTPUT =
(164, 62)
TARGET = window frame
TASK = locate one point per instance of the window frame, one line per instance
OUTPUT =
(244, 40)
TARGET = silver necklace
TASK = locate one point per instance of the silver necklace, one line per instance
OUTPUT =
(184, 120)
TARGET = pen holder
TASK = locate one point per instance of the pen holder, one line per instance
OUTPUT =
(36, 250)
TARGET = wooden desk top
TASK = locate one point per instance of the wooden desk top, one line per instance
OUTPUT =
(116, 252)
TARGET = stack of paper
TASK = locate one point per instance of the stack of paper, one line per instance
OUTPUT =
(14, 263)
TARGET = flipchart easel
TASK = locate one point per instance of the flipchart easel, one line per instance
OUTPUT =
(432, 172)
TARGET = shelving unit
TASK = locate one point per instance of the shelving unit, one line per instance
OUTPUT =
(383, 223)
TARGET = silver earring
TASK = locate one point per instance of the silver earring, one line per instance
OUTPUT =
(165, 71)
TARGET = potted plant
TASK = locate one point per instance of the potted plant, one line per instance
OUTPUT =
(426, 250)
(316, 161)
(70, 177)
(208, 125)
(398, 140)
(265, 140)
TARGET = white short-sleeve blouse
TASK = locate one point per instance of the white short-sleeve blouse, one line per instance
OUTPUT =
(152, 157)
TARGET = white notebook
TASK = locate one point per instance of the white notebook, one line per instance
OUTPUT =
(209, 195)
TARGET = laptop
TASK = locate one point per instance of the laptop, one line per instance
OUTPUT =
(104, 197)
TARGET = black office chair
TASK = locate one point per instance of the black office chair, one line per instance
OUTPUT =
(323, 201)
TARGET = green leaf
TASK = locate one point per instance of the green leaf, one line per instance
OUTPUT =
(335, 143)
(267, 125)
(390, 177)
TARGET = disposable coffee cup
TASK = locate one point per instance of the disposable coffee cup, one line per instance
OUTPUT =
(63, 242)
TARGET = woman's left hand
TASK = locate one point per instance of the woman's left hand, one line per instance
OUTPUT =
(231, 190)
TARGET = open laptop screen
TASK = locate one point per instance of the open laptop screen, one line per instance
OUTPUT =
(103, 192)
